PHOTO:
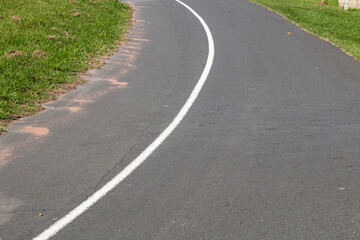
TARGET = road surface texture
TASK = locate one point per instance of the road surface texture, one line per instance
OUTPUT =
(269, 150)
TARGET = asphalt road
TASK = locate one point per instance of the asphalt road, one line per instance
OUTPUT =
(269, 150)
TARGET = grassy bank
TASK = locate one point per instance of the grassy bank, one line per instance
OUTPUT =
(329, 21)
(44, 44)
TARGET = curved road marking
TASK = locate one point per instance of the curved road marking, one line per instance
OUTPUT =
(71, 216)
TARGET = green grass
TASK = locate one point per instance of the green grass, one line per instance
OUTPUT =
(54, 40)
(330, 21)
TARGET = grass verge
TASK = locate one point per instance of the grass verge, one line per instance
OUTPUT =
(330, 21)
(44, 45)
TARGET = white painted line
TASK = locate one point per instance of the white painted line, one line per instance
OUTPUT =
(71, 216)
